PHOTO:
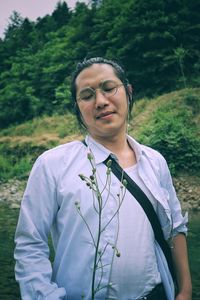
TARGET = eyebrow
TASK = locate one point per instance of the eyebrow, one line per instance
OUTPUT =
(86, 87)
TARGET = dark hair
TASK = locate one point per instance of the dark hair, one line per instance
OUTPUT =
(86, 63)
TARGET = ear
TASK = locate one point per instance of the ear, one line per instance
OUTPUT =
(130, 89)
(130, 94)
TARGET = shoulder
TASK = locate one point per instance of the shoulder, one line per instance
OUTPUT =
(62, 150)
(61, 155)
(59, 162)
(157, 161)
(150, 157)
(152, 153)
(145, 151)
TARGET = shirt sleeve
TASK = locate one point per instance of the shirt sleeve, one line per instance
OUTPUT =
(179, 222)
(39, 206)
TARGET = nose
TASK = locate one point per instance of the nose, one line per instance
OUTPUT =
(100, 99)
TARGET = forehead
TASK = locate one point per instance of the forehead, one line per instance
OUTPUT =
(95, 74)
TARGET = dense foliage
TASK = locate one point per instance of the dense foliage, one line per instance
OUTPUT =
(157, 42)
(173, 130)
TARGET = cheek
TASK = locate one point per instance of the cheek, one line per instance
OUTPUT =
(122, 104)
(86, 111)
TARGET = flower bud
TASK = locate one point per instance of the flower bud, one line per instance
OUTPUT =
(77, 204)
(124, 181)
(109, 163)
(89, 156)
(82, 176)
(92, 177)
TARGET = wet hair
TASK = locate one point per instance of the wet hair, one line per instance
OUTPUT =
(86, 63)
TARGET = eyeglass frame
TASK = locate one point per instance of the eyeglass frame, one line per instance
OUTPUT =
(105, 93)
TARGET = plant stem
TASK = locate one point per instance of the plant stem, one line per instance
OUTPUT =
(96, 255)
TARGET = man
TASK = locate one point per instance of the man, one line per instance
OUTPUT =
(99, 222)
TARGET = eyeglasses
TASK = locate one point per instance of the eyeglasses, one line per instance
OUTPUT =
(107, 88)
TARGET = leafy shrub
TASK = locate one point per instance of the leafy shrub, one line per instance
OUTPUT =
(22, 168)
(17, 160)
(18, 169)
(193, 100)
(172, 132)
(5, 166)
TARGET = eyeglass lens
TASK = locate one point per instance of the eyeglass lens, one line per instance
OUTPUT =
(108, 87)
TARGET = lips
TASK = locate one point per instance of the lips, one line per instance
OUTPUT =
(104, 114)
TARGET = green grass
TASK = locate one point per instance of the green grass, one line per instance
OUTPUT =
(10, 168)
(63, 125)
(21, 145)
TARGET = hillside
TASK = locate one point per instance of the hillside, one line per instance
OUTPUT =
(167, 123)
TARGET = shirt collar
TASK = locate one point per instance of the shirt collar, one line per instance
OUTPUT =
(101, 153)
(137, 148)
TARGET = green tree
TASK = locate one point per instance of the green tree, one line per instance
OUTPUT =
(16, 103)
(37, 58)
(143, 34)
(15, 22)
(61, 14)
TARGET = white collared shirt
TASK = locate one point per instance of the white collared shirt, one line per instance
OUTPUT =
(53, 188)
(135, 273)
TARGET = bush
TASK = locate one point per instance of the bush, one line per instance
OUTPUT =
(193, 100)
(172, 132)
(17, 160)
(20, 169)
(5, 166)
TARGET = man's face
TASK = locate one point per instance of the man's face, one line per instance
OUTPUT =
(104, 114)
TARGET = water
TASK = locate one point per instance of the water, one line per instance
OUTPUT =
(8, 287)
(8, 219)
(194, 253)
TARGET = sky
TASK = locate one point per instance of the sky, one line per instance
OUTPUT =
(28, 8)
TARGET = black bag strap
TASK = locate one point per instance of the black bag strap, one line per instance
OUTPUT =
(148, 208)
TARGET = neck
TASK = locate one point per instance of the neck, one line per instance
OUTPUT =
(115, 144)
(120, 147)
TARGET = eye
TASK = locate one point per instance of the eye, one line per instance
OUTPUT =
(109, 86)
(86, 94)
(109, 89)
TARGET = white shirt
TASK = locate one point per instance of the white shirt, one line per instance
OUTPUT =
(48, 205)
(137, 263)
